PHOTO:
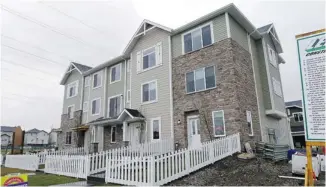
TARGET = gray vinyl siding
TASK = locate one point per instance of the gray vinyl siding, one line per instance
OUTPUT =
(116, 88)
(161, 108)
(263, 75)
(127, 88)
(274, 72)
(74, 75)
(86, 94)
(93, 94)
(219, 33)
(238, 33)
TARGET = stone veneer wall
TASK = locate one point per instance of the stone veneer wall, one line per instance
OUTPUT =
(118, 139)
(66, 125)
(233, 69)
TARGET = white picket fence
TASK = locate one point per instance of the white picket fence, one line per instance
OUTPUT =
(95, 163)
(25, 162)
(161, 169)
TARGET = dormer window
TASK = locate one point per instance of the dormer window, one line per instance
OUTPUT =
(197, 38)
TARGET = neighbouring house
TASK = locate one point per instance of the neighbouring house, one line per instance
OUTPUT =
(35, 137)
(6, 135)
(295, 115)
(215, 76)
(53, 137)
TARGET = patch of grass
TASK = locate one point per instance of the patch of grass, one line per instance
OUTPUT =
(41, 166)
(40, 179)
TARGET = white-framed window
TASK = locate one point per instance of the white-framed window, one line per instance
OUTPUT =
(200, 79)
(149, 92)
(156, 128)
(128, 65)
(218, 123)
(96, 106)
(277, 87)
(149, 58)
(272, 56)
(288, 111)
(94, 134)
(97, 79)
(85, 106)
(249, 123)
(113, 134)
(115, 73)
(128, 96)
(72, 89)
(298, 117)
(197, 38)
(87, 81)
(70, 111)
(68, 137)
(115, 105)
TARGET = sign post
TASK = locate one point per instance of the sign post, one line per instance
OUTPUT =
(311, 52)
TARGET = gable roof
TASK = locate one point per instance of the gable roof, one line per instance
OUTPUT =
(265, 28)
(144, 27)
(74, 66)
(270, 30)
(33, 131)
(297, 103)
(7, 129)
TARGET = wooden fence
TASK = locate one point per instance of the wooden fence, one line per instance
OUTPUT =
(25, 162)
(161, 169)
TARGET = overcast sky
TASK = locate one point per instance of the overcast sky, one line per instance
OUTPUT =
(39, 39)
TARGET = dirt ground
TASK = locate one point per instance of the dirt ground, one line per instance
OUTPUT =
(232, 171)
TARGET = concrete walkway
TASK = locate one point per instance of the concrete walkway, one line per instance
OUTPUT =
(79, 183)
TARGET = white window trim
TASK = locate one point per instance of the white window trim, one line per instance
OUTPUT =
(142, 59)
(93, 134)
(70, 138)
(109, 98)
(128, 98)
(100, 85)
(160, 129)
(199, 27)
(111, 82)
(114, 126)
(194, 71)
(85, 109)
(275, 81)
(272, 61)
(141, 93)
(68, 88)
(73, 106)
(87, 81)
(251, 127)
(216, 111)
(298, 113)
(99, 111)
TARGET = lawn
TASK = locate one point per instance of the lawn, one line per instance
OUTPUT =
(40, 179)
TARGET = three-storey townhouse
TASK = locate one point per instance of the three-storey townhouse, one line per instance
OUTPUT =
(212, 77)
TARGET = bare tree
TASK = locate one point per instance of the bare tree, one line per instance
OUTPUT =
(203, 112)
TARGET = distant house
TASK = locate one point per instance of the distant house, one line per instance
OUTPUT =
(6, 135)
(36, 137)
(53, 137)
(294, 113)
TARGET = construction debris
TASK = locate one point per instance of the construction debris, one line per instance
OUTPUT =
(274, 152)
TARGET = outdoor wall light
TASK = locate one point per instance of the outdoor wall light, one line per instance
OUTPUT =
(179, 121)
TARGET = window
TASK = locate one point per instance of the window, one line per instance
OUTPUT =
(68, 137)
(218, 123)
(197, 38)
(113, 133)
(272, 57)
(149, 92)
(298, 117)
(200, 79)
(249, 122)
(97, 80)
(149, 59)
(70, 111)
(94, 134)
(288, 111)
(156, 128)
(277, 87)
(85, 106)
(87, 80)
(115, 73)
(128, 96)
(96, 105)
(72, 89)
(115, 105)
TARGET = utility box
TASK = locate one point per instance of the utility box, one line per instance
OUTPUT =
(299, 164)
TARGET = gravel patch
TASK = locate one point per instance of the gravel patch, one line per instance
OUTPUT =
(232, 171)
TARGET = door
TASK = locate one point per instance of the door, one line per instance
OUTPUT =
(134, 130)
(193, 131)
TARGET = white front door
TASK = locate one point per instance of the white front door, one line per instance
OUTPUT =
(193, 131)
(134, 129)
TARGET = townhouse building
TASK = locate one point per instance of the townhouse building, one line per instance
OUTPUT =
(295, 117)
(212, 77)
(36, 137)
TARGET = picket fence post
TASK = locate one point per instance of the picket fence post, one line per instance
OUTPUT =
(87, 165)
(152, 170)
(187, 160)
(211, 152)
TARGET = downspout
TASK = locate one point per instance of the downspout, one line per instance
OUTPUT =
(171, 92)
